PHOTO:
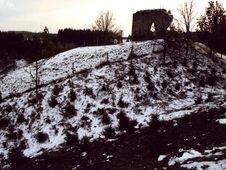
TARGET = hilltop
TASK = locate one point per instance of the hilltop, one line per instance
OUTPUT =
(94, 95)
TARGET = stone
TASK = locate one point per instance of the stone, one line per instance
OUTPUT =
(144, 20)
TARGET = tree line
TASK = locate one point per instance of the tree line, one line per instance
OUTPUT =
(34, 46)
(211, 26)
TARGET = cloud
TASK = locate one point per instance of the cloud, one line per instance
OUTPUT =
(6, 3)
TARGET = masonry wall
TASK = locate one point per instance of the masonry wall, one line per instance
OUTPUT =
(143, 20)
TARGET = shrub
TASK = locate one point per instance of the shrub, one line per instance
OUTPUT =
(213, 71)
(147, 79)
(131, 71)
(170, 74)
(56, 90)
(104, 88)
(47, 120)
(85, 146)
(72, 95)
(177, 86)
(119, 85)
(89, 92)
(4, 122)
(134, 80)
(212, 80)
(164, 84)
(1, 97)
(155, 123)
(184, 62)
(70, 110)
(42, 137)
(85, 122)
(71, 139)
(209, 98)
(151, 86)
(198, 100)
(109, 132)
(8, 108)
(33, 99)
(106, 119)
(105, 101)
(99, 112)
(122, 104)
(52, 102)
(125, 123)
(20, 118)
(14, 135)
(16, 156)
(202, 81)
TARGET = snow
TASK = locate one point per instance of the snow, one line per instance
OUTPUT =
(206, 165)
(186, 155)
(222, 121)
(161, 157)
(102, 80)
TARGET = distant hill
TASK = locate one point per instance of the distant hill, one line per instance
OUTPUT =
(30, 35)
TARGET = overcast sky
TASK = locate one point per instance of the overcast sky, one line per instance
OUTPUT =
(34, 15)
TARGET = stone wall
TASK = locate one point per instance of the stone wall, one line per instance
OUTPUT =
(143, 20)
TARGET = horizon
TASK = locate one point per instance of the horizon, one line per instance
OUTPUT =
(33, 16)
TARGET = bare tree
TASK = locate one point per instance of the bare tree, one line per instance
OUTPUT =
(105, 22)
(34, 74)
(187, 15)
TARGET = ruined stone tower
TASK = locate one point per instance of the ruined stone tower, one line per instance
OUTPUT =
(145, 19)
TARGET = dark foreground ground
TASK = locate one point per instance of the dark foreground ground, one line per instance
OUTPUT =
(139, 150)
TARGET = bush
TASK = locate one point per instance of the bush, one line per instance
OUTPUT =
(71, 139)
(119, 85)
(14, 135)
(99, 112)
(42, 137)
(20, 118)
(70, 110)
(177, 86)
(125, 123)
(85, 122)
(85, 146)
(155, 123)
(151, 87)
(0, 97)
(122, 104)
(147, 79)
(106, 119)
(52, 102)
(184, 62)
(4, 122)
(170, 74)
(105, 101)
(109, 132)
(72, 95)
(33, 99)
(209, 98)
(212, 80)
(198, 100)
(16, 156)
(8, 108)
(164, 84)
(202, 81)
(89, 92)
(56, 90)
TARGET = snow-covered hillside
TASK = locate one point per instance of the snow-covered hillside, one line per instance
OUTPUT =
(86, 91)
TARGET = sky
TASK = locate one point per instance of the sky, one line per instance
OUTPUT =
(34, 15)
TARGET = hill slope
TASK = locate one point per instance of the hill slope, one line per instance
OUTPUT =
(110, 90)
